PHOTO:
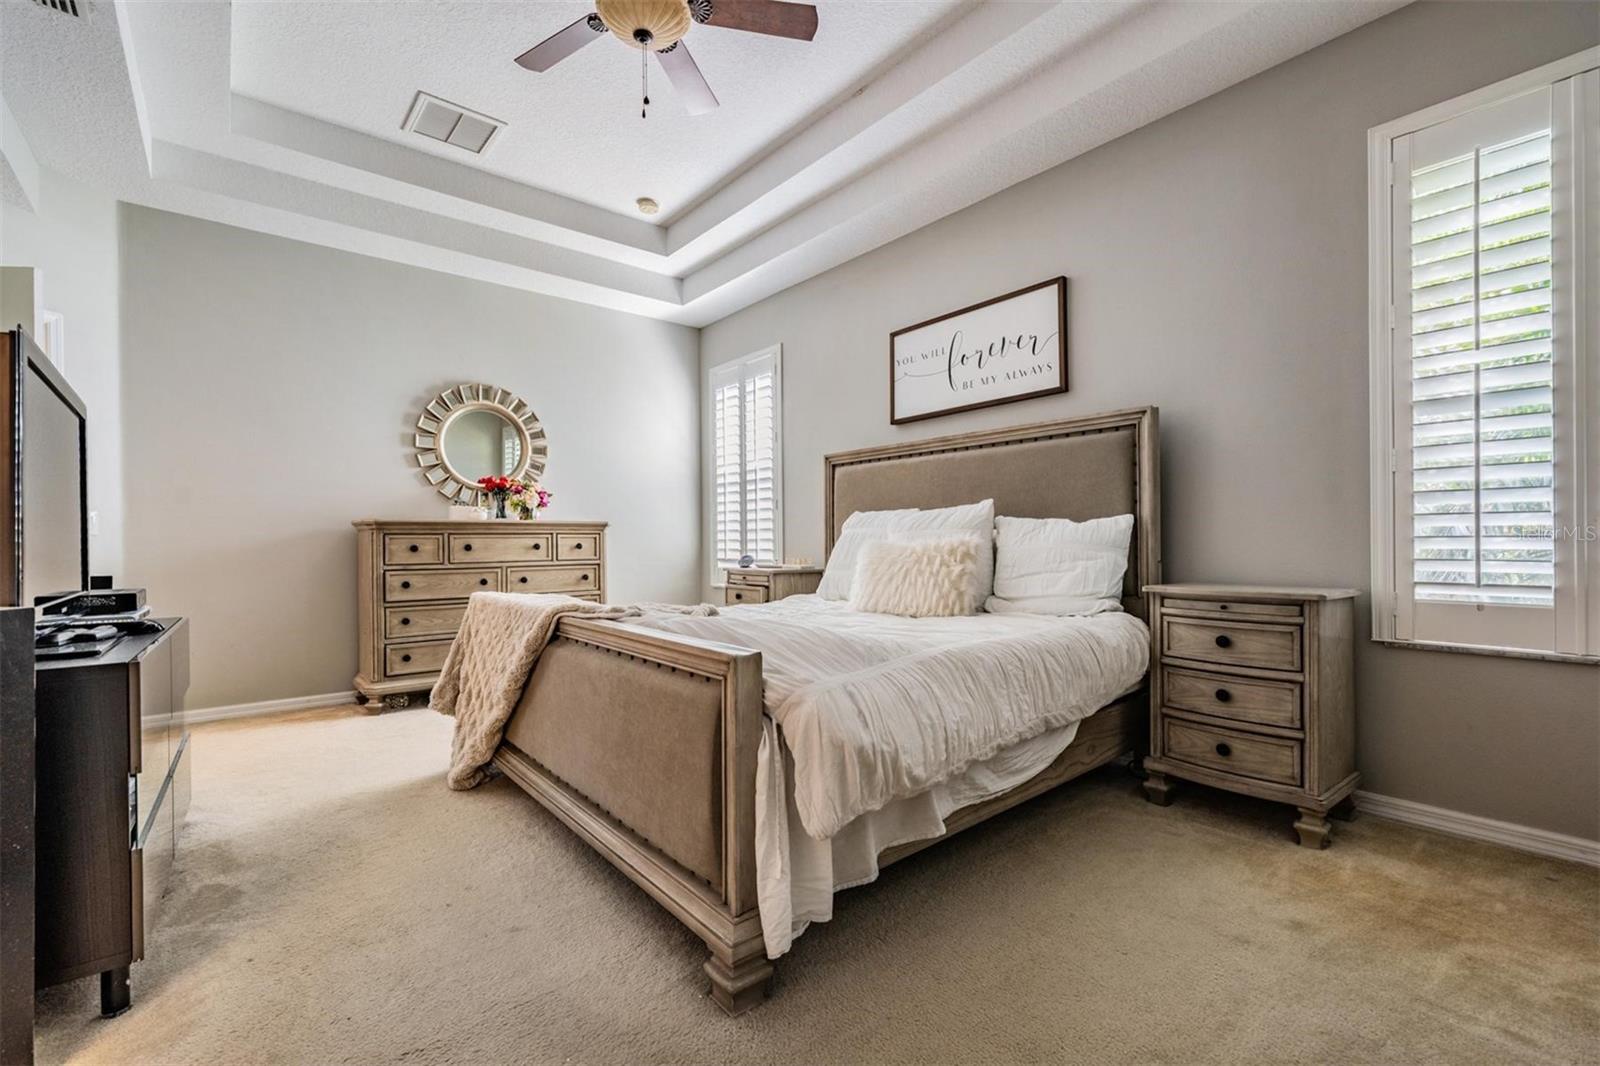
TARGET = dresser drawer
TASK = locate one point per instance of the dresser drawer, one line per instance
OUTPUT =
(734, 594)
(404, 623)
(577, 547)
(1271, 647)
(553, 579)
(1233, 607)
(741, 577)
(1240, 699)
(425, 549)
(482, 548)
(1231, 752)
(401, 586)
(423, 658)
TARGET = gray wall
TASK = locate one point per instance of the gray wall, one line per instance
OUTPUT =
(72, 242)
(269, 395)
(1218, 268)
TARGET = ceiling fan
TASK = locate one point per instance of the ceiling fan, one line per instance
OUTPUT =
(659, 26)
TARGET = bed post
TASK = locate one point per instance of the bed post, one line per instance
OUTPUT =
(738, 967)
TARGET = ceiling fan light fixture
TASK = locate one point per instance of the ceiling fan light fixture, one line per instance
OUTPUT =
(652, 24)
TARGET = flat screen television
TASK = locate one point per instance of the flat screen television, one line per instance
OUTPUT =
(46, 479)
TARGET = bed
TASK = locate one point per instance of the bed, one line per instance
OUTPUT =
(647, 742)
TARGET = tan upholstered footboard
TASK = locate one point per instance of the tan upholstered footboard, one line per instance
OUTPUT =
(645, 744)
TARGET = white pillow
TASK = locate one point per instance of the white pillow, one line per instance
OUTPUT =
(924, 578)
(863, 527)
(1058, 566)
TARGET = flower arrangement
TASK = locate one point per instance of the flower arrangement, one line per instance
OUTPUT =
(500, 489)
(529, 500)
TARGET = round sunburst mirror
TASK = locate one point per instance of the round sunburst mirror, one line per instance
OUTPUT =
(472, 431)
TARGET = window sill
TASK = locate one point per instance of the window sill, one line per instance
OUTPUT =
(1501, 653)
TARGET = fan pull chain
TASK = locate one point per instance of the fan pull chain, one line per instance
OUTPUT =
(644, 79)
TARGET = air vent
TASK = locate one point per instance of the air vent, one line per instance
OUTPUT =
(66, 7)
(440, 120)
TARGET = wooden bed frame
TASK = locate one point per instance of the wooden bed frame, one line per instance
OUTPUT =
(644, 743)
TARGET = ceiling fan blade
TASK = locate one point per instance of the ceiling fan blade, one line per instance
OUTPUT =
(772, 17)
(552, 50)
(686, 78)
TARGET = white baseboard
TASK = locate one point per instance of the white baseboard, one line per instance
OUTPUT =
(1476, 827)
(255, 710)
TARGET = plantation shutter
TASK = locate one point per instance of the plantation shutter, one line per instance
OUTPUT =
(746, 463)
(1482, 395)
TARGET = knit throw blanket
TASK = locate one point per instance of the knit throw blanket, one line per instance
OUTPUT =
(501, 638)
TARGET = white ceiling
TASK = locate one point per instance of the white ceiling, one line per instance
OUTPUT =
(576, 129)
(285, 117)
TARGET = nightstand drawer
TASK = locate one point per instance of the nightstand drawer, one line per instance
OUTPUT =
(1231, 752)
(736, 577)
(1235, 608)
(1270, 647)
(1236, 698)
(735, 594)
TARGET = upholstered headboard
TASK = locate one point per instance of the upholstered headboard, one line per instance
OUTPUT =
(1077, 468)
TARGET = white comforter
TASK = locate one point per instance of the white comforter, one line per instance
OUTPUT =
(876, 708)
(810, 645)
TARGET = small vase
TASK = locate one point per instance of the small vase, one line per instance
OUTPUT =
(499, 506)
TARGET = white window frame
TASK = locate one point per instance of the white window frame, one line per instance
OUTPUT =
(1578, 600)
(775, 353)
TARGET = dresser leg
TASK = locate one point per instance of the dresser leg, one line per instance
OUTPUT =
(1158, 789)
(1313, 828)
(116, 993)
(1345, 810)
(738, 988)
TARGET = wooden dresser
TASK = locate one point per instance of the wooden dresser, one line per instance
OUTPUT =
(1252, 690)
(757, 584)
(413, 580)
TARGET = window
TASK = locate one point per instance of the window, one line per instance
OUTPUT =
(1486, 383)
(746, 405)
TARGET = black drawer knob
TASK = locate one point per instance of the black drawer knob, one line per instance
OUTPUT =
(483, 581)
(1222, 607)
(583, 577)
(405, 584)
(405, 658)
(524, 580)
(579, 545)
(466, 547)
(1223, 695)
(538, 547)
(416, 547)
(1224, 751)
(738, 595)
(1224, 641)
(405, 621)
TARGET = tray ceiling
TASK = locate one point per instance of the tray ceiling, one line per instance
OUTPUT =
(286, 117)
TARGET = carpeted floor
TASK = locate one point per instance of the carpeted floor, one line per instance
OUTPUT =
(335, 903)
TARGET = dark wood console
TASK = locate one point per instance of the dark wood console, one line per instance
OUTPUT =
(112, 788)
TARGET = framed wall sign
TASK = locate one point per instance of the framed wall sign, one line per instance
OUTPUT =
(1012, 347)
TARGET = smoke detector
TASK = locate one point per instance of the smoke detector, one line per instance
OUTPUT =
(440, 120)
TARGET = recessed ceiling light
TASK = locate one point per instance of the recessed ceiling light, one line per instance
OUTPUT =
(647, 206)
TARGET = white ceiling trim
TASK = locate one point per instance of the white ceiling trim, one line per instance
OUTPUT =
(993, 97)
(21, 180)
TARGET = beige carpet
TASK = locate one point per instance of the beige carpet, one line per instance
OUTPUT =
(337, 904)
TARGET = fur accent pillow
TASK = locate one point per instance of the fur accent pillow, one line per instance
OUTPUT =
(924, 578)
(863, 527)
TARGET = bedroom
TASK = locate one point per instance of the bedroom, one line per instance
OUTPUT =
(257, 274)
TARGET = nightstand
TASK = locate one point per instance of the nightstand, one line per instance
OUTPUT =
(1252, 689)
(764, 584)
